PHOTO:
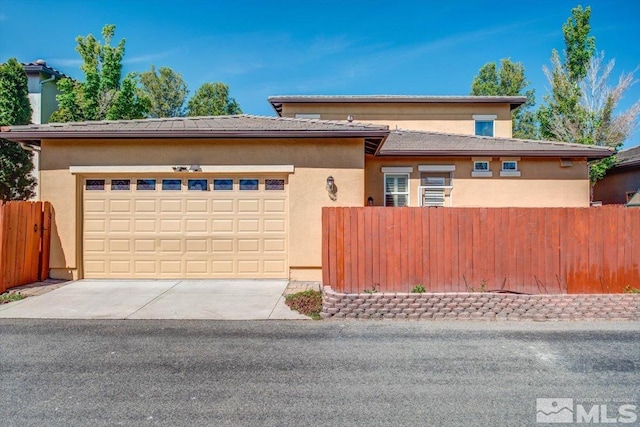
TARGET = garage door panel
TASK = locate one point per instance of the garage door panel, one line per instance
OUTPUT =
(170, 225)
(249, 225)
(145, 206)
(180, 233)
(223, 246)
(171, 246)
(120, 206)
(120, 245)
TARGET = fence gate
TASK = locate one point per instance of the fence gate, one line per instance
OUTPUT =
(25, 235)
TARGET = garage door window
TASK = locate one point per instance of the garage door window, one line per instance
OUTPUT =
(223, 184)
(171, 184)
(197, 185)
(120, 184)
(146, 185)
(249, 184)
(274, 184)
(94, 184)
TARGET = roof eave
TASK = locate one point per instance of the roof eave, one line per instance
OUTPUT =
(505, 153)
(37, 136)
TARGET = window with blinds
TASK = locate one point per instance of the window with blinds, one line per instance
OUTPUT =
(396, 190)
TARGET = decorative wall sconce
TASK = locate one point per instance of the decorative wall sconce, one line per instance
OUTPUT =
(195, 168)
(179, 168)
(370, 201)
(331, 188)
(330, 184)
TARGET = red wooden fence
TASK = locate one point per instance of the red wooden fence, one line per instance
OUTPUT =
(530, 250)
(25, 235)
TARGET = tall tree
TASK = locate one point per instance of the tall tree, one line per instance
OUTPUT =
(212, 99)
(508, 80)
(16, 165)
(103, 94)
(581, 107)
(166, 91)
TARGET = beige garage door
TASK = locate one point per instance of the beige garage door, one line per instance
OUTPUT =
(185, 227)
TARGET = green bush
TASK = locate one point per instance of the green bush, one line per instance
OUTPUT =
(418, 289)
(308, 303)
(9, 297)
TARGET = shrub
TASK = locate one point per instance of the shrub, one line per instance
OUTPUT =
(418, 289)
(9, 297)
(308, 303)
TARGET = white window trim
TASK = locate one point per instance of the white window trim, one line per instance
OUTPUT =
(509, 172)
(397, 169)
(481, 173)
(436, 168)
(408, 192)
(485, 118)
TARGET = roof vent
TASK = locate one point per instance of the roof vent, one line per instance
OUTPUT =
(41, 62)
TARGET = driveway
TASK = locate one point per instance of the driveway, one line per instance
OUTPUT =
(158, 299)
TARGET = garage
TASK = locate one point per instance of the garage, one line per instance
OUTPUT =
(185, 225)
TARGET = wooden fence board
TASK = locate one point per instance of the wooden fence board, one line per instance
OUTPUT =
(531, 250)
(25, 235)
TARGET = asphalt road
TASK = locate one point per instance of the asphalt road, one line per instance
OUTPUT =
(272, 373)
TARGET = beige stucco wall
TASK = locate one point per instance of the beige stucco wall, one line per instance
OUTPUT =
(446, 117)
(614, 186)
(314, 161)
(543, 182)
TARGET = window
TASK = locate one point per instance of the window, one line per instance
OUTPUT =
(94, 184)
(171, 184)
(396, 189)
(223, 184)
(274, 184)
(510, 168)
(481, 166)
(197, 185)
(146, 185)
(120, 185)
(484, 124)
(249, 184)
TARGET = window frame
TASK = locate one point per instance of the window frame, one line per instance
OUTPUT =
(406, 193)
(484, 118)
(248, 179)
(213, 184)
(510, 172)
(481, 173)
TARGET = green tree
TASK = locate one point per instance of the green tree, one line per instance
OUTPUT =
(166, 92)
(508, 80)
(16, 165)
(581, 107)
(103, 94)
(212, 99)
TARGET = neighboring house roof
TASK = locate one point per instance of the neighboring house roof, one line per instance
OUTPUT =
(628, 158)
(277, 101)
(41, 66)
(422, 143)
(237, 126)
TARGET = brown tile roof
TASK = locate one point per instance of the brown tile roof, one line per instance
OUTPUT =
(238, 126)
(629, 157)
(277, 101)
(42, 67)
(419, 143)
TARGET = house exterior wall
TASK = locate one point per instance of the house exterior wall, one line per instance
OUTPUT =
(543, 182)
(454, 118)
(314, 161)
(612, 189)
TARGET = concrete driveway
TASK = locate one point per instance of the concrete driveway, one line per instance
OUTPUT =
(158, 299)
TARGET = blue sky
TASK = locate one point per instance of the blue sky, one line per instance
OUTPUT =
(263, 48)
